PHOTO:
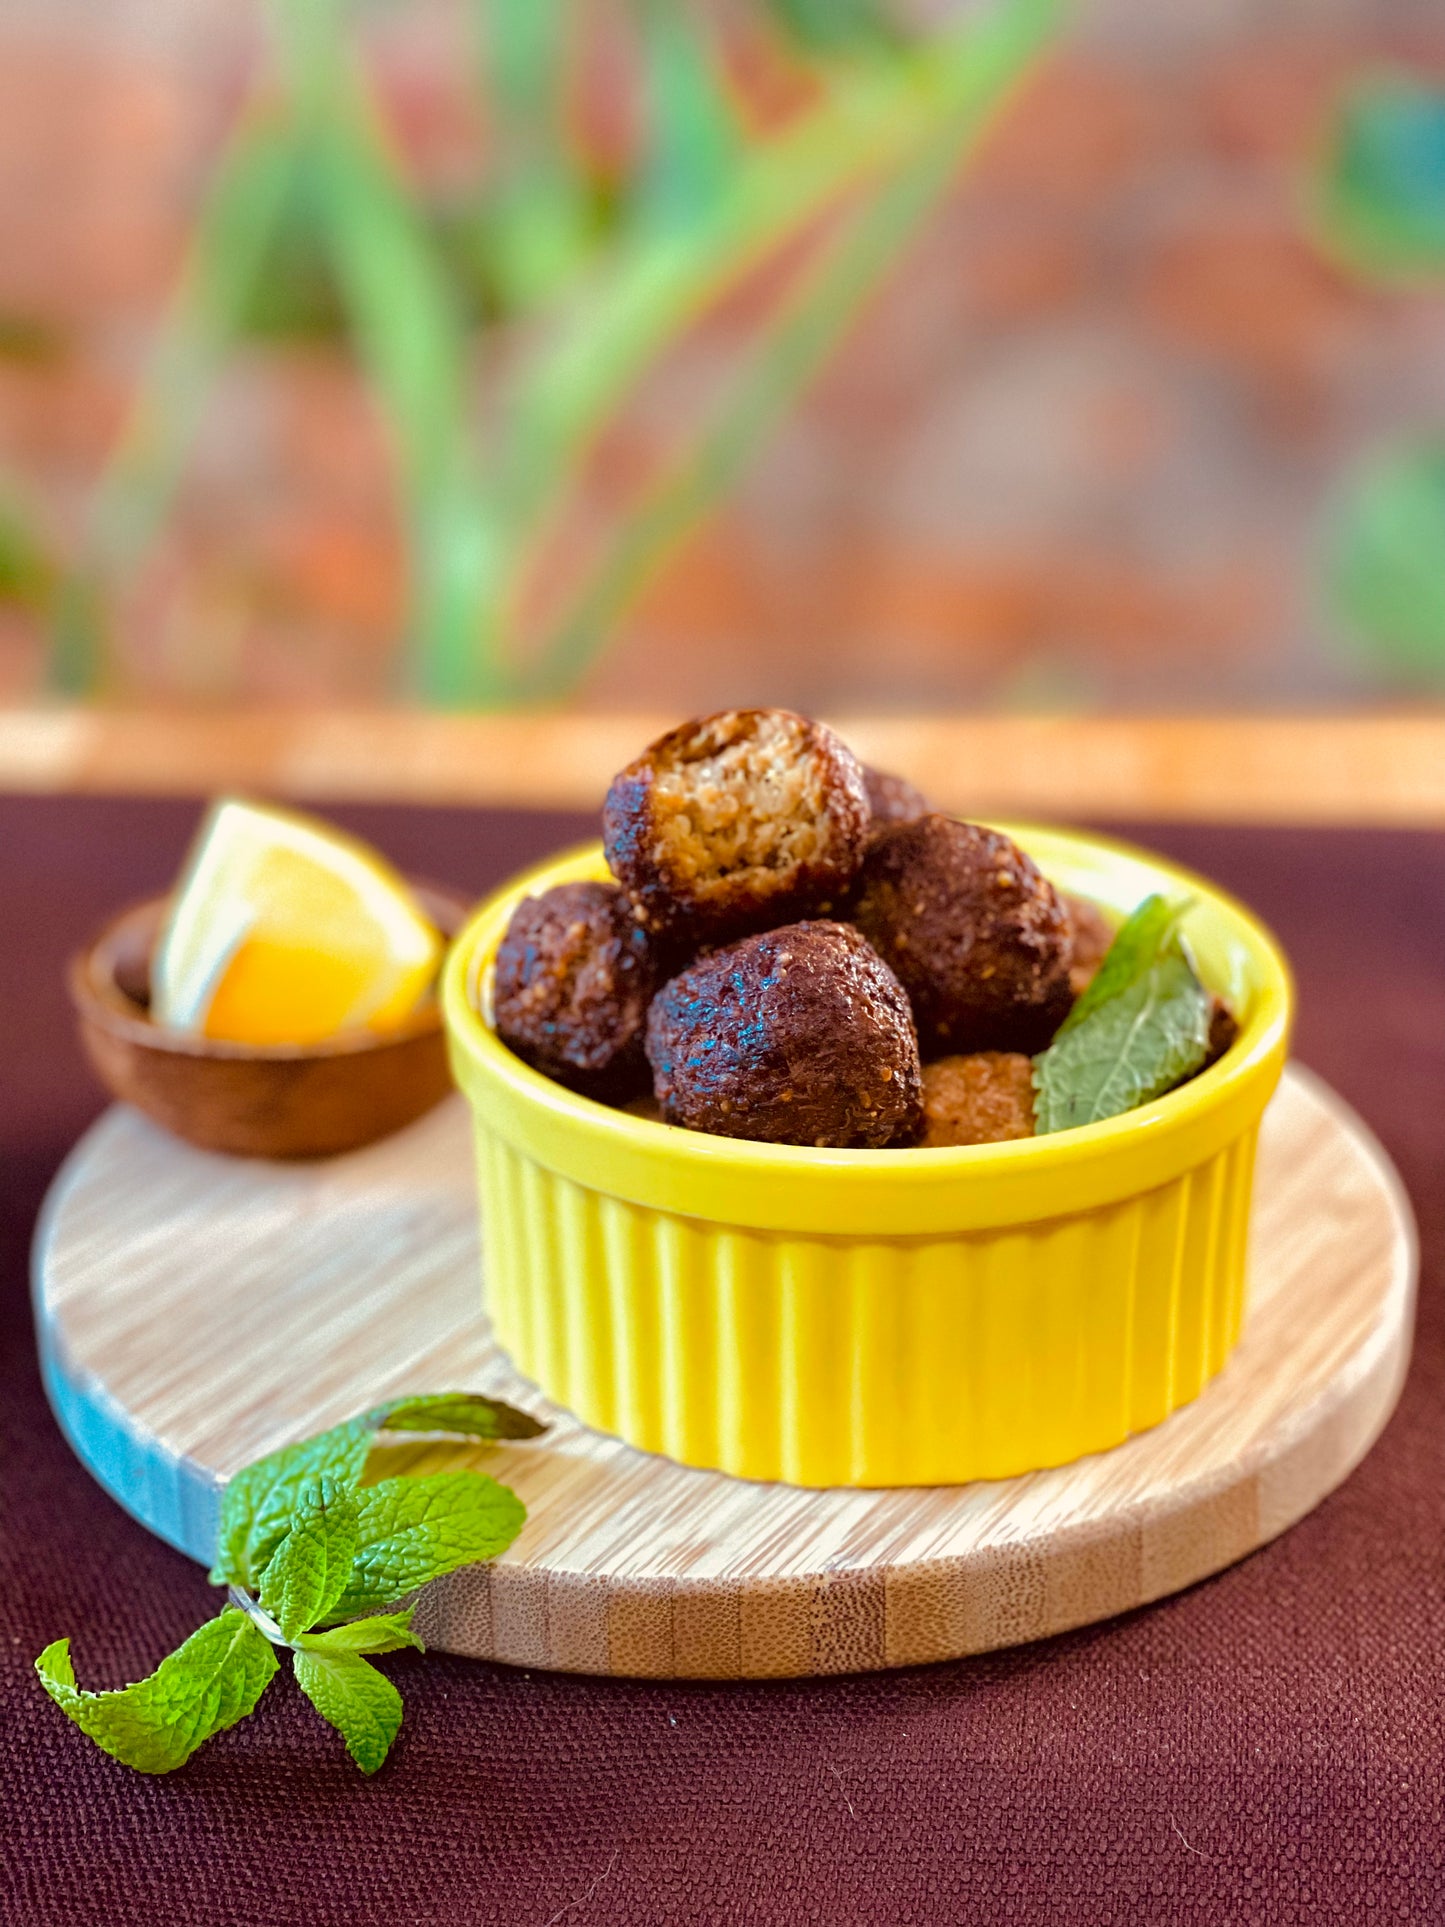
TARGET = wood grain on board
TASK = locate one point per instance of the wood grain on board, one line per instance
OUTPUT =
(197, 1311)
(1364, 769)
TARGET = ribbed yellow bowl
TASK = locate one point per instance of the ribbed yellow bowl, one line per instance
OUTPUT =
(875, 1317)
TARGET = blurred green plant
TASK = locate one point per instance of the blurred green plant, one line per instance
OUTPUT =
(27, 570)
(571, 283)
(1380, 194)
(1378, 211)
(1386, 561)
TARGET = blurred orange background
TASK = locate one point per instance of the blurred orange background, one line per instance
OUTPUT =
(1076, 454)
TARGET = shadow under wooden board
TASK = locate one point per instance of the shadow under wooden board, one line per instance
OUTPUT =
(197, 1311)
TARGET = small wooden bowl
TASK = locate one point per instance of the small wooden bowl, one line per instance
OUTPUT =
(258, 1101)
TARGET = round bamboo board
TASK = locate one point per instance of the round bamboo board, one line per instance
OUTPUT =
(196, 1311)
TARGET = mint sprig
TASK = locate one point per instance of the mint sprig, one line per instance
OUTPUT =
(1140, 1028)
(262, 1498)
(318, 1565)
(1138, 943)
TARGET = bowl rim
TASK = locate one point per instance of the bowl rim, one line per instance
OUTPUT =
(99, 999)
(1082, 1166)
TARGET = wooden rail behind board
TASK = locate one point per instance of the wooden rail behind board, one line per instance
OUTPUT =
(1344, 769)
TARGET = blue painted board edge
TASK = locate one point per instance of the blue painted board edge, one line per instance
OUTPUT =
(168, 1493)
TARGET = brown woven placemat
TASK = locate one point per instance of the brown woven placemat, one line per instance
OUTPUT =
(1269, 1747)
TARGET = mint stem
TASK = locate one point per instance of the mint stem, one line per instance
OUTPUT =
(263, 1621)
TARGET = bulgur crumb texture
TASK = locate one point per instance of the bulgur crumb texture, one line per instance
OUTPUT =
(747, 818)
(986, 1097)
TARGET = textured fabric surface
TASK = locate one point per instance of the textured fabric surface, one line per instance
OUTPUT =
(1265, 1748)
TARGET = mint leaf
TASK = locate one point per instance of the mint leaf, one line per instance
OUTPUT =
(362, 1704)
(383, 1634)
(258, 1502)
(413, 1530)
(155, 1725)
(1138, 943)
(467, 1414)
(1131, 1047)
(309, 1569)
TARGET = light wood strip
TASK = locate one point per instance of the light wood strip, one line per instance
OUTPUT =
(196, 1311)
(1384, 769)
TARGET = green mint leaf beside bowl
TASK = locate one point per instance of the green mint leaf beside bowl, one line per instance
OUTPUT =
(349, 1694)
(261, 1500)
(466, 1415)
(411, 1531)
(155, 1725)
(309, 1570)
(382, 1633)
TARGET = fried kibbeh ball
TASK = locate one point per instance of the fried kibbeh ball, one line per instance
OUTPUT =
(893, 799)
(984, 1098)
(1093, 934)
(574, 976)
(738, 822)
(975, 934)
(797, 1036)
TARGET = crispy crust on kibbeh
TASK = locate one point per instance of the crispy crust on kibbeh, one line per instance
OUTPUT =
(976, 935)
(574, 977)
(797, 1036)
(893, 799)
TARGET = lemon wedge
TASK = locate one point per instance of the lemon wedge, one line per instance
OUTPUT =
(285, 931)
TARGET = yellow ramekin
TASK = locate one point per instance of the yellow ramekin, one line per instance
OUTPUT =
(875, 1317)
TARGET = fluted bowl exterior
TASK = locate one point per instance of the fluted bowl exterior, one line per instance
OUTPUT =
(875, 1317)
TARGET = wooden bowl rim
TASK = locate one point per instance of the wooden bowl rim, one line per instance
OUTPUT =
(99, 998)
